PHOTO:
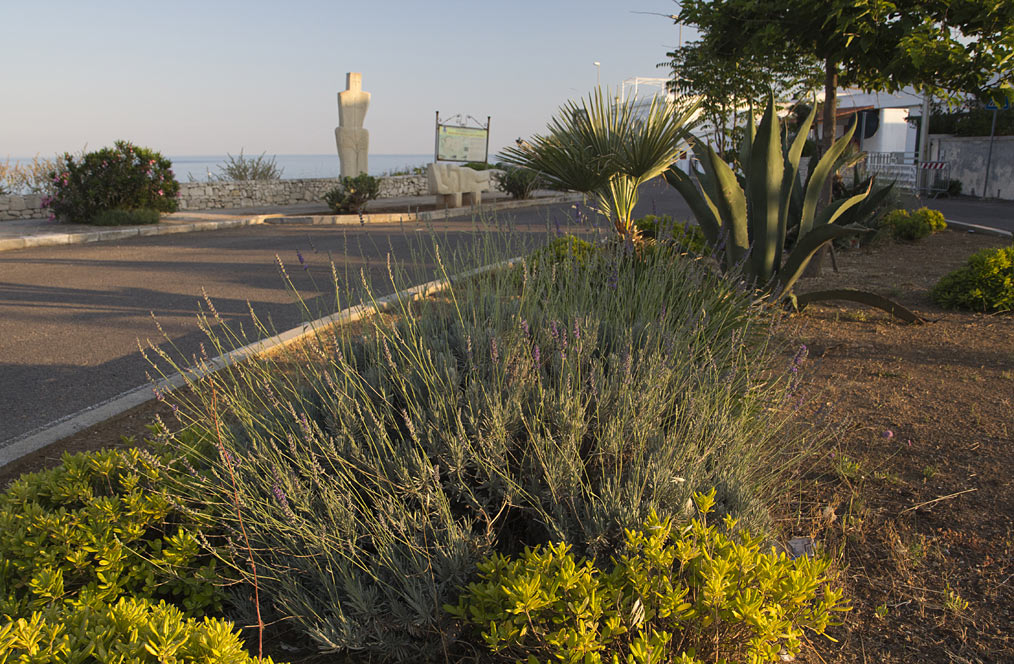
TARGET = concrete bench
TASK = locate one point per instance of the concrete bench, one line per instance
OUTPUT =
(454, 184)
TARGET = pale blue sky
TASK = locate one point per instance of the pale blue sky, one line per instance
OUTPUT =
(212, 77)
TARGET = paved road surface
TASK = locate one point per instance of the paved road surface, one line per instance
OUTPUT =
(71, 316)
(992, 213)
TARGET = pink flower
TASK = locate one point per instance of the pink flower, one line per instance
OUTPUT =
(161, 193)
(888, 434)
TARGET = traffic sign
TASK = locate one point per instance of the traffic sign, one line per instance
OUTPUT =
(1005, 106)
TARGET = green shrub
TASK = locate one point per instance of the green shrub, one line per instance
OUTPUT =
(129, 631)
(121, 177)
(914, 226)
(92, 530)
(690, 594)
(663, 228)
(561, 403)
(352, 195)
(247, 168)
(565, 249)
(479, 165)
(985, 283)
(519, 183)
(120, 217)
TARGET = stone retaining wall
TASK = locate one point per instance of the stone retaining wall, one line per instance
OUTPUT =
(21, 207)
(234, 194)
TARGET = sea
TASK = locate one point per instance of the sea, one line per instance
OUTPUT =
(201, 168)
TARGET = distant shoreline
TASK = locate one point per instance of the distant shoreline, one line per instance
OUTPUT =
(294, 166)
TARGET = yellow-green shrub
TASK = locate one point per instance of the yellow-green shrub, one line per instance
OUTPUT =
(130, 631)
(687, 594)
(985, 283)
(89, 531)
(914, 226)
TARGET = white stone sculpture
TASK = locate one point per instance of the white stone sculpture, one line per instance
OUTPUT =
(353, 141)
(449, 182)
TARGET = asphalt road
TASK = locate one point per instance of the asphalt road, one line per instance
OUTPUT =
(72, 317)
(992, 213)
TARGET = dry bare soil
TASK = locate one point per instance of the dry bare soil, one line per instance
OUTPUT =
(915, 495)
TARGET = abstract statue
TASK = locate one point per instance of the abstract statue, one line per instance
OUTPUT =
(353, 141)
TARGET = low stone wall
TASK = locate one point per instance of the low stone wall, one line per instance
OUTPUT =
(250, 193)
(21, 207)
(967, 158)
(236, 194)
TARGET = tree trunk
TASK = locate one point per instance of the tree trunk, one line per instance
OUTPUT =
(826, 140)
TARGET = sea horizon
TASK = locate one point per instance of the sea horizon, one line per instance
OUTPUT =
(201, 168)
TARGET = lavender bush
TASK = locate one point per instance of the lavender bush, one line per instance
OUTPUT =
(561, 402)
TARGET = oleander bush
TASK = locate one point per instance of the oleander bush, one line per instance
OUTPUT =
(517, 182)
(95, 529)
(352, 194)
(985, 283)
(912, 226)
(127, 631)
(696, 593)
(124, 177)
(556, 401)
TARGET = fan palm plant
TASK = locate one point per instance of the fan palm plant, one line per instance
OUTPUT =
(605, 148)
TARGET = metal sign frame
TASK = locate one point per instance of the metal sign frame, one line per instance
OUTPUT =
(457, 118)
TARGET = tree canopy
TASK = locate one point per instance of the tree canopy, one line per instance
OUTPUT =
(939, 46)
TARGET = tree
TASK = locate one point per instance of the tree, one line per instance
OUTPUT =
(940, 46)
(726, 85)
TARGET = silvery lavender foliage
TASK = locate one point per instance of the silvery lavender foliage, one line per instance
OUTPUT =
(373, 481)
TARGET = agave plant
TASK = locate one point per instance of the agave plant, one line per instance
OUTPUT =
(749, 215)
(607, 149)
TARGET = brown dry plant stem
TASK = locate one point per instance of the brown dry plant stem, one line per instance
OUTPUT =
(242, 528)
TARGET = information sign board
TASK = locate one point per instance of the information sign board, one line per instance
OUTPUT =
(461, 143)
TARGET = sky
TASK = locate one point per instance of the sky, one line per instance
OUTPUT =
(206, 78)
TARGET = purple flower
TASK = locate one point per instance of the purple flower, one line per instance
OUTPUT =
(536, 356)
(279, 493)
(888, 434)
(302, 262)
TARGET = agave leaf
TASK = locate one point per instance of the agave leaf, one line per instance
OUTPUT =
(764, 187)
(703, 209)
(792, 187)
(861, 213)
(837, 208)
(862, 297)
(804, 250)
(819, 175)
(730, 201)
(746, 145)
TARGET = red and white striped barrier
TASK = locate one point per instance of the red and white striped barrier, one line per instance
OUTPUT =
(933, 165)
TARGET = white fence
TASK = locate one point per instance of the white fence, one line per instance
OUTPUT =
(898, 166)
